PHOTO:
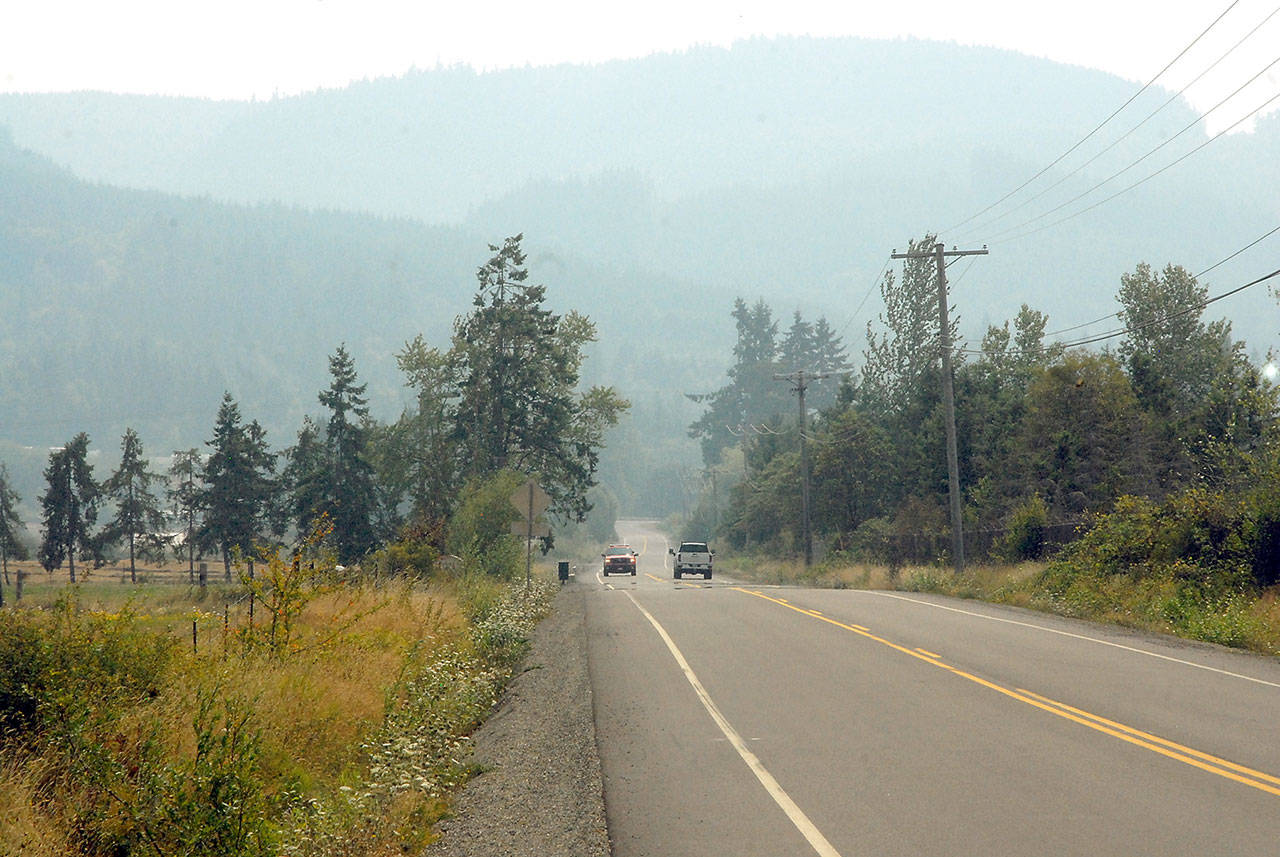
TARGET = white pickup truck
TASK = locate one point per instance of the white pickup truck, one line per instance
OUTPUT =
(692, 558)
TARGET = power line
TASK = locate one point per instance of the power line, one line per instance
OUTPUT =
(1144, 121)
(1196, 307)
(1000, 235)
(1101, 124)
(1142, 181)
(865, 296)
(1216, 264)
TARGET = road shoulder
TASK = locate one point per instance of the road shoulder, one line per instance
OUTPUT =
(541, 791)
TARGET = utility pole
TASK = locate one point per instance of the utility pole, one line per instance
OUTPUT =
(948, 392)
(799, 383)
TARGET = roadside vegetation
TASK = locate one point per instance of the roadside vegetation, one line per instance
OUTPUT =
(334, 619)
(1139, 485)
(1202, 564)
(163, 720)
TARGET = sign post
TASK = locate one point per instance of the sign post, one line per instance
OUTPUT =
(530, 501)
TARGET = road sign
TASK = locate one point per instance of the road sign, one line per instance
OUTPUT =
(530, 496)
(520, 527)
(530, 501)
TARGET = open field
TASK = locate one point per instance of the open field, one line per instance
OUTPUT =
(337, 719)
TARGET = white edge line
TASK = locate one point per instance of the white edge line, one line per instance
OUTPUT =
(806, 827)
(1074, 636)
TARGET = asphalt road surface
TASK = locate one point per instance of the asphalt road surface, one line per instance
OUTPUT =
(738, 719)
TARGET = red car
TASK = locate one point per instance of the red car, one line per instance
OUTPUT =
(619, 559)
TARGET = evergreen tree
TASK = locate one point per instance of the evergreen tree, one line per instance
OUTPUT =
(348, 495)
(238, 485)
(797, 350)
(184, 493)
(428, 470)
(138, 519)
(304, 476)
(517, 365)
(11, 526)
(752, 396)
(70, 507)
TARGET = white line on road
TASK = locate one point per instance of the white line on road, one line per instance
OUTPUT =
(1074, 636)
(806, 827)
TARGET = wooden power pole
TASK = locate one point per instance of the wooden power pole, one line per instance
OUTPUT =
(799, 383)
(948, 392)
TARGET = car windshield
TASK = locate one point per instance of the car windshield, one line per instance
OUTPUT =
(693, 547)
(619, 552)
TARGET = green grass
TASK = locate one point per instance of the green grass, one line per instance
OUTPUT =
(1163, 604)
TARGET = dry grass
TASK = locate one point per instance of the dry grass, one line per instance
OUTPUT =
(1156, 605)
(312, 706)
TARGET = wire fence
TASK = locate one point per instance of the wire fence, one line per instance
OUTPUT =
(979, 544)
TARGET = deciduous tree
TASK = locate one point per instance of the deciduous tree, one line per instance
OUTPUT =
(516, 365)
(184, 494)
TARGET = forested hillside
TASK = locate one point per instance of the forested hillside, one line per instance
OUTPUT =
(652, 194)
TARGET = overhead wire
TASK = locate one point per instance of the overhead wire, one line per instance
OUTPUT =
(1142, 181)
(999, 238)
(866, 295)
(1197, 276)
(1197, 306)
(1100, 125)
(1144, 121)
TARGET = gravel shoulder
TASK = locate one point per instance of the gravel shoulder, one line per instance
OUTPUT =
(541, 792)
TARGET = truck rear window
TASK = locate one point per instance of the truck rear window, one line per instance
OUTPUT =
(693, 547)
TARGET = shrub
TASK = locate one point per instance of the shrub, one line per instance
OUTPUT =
(1024, 537)
(65, 666)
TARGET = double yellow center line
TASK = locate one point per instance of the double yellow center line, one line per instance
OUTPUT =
(1195, 758)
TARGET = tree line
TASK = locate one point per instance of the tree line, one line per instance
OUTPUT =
(502, 399)
(1047, 435)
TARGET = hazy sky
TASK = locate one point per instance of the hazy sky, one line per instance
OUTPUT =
(261, 48)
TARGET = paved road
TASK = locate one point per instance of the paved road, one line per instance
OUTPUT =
(747, 720)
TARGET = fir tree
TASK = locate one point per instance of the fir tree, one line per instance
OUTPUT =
(238, 485)
(184, 493)
(11, 545)
(138, 519)
(348, 496)
(70, 507)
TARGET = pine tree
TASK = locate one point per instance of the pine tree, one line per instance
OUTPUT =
(752, 396)
(184, 493)
(516, 365)
(349, 498)
(11, 545)
(304, 476)
(138, 519)
(70, 507)
(238, 486)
